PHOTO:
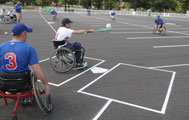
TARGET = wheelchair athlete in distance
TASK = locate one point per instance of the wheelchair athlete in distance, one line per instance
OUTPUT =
(15, 58)
(62, 36)
(159, 26)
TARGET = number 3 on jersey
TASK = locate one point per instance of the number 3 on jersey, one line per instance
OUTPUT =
(12, 61)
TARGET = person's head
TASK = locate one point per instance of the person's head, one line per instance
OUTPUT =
(18, 2)
(158, 17)
(11, 10)
(66, 22)
(19, 31)
(54, 10)
(3, 9)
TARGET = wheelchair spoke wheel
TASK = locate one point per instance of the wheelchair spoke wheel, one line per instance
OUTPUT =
(43, 101)
(62, 60)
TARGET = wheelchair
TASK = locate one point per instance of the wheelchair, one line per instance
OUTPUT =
(160, 32)
(63, 59)
(7, 20)
(32, 88)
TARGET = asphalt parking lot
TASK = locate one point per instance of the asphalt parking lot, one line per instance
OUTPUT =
(143, 76)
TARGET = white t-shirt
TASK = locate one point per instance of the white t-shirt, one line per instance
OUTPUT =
(10, 13)
(63, 34)
(3, 13)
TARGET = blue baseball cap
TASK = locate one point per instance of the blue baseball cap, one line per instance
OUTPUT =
(19, 28)
(158, 16)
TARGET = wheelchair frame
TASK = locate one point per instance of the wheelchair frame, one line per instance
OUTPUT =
(63, 59)
(6, 20)
(160, 32)
(36, 90)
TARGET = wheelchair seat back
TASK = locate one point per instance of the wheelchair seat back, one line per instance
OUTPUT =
(57, 43)
(15, 82)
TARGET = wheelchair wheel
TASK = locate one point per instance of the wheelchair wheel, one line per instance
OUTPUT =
(154, 31)
(62, 60)
(164, 32)
(43, 101)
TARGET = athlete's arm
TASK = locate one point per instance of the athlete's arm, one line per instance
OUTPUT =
(39, 73)
(82, 31)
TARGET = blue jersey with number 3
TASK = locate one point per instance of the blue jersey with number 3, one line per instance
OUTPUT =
(16, 57)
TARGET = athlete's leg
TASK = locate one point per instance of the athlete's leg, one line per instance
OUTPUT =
(76, 47)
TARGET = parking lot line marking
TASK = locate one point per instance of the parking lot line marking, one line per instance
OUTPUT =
(171, 46)
(121, 102)
(166, 100)
(170, 23)
(168, 94)
(177, 32)
(169, 66)
(128, 32)
(47, 22)
(160, 37)
(44, 60)
(130, 28)
(80, 73)
(89, 84)
(102, 110)
(179, 28)
(57, 85)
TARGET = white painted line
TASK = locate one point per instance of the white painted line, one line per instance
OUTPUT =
(168, 93)
(179, 28)
(96, 70)
(43, 60)
(171, 46)
(57, 85)
(47, 21)
(98, 78)
(102, 110)
(53, 84)
(128, 32)
(149, 68)
(173, 37)
(170, 23)
(129, 104)
(80, 73)
(131, 28)
(169, 66)
(121, 102)
(177, 32)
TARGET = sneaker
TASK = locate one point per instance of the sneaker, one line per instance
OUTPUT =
(79, 64)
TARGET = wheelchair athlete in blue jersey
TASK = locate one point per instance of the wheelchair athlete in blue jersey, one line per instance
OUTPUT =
(54, 14)
(159, 24)
(15, 58)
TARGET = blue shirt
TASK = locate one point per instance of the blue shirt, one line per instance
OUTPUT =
(113, 14)
(53, 13)
(16, 57)
(159, 22)
(18, 8)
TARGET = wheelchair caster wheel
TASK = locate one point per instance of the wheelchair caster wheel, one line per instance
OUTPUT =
(14, 117)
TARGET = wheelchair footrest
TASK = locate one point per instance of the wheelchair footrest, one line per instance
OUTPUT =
(85, 64)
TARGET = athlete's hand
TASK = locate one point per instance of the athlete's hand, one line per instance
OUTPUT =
(91, 31)
(47, 90)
